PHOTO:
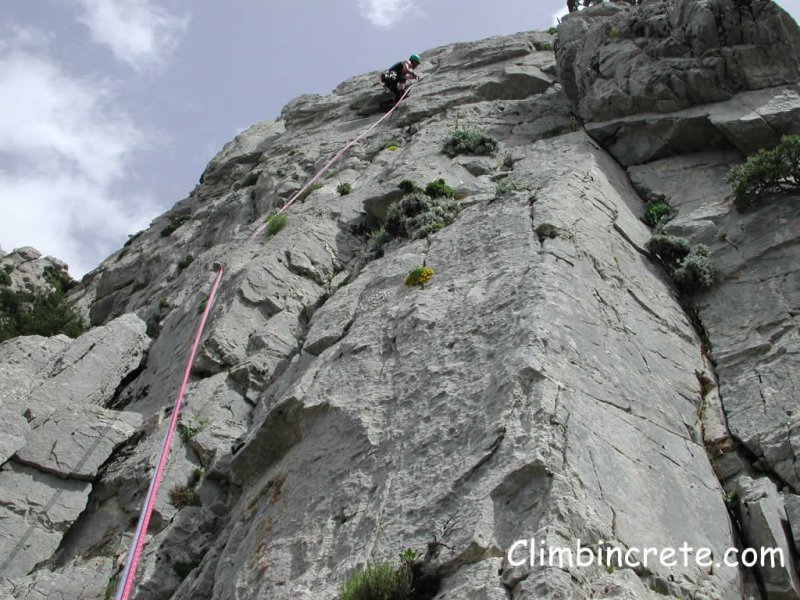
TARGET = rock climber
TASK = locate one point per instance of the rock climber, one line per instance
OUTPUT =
(395, 77)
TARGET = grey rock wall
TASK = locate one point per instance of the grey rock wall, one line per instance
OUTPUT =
(548, 383)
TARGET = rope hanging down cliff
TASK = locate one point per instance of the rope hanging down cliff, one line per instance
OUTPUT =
(129, 572)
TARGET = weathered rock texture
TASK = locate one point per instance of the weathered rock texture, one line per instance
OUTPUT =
(548, 383)
(27, 270)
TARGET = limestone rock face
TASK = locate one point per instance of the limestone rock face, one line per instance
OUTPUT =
(57, 433)
(682, 76)
(548, 388)
(27, 270)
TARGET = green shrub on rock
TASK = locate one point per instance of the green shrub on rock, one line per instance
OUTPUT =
(174, 223)
(45, 313)
(381, 581)
(669, 248)
(658, 214)
(416, 215)
(694, 272)
(344, 188)
(465, 141)
(407, 186)
(439, 189)
(418, 276)
(767, 172)
(689, 266)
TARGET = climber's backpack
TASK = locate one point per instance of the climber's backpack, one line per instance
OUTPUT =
(388, 76)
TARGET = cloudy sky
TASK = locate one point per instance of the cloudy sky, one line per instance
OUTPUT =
(110, 109)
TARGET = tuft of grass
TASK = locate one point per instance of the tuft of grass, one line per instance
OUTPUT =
(201, 307)
(163, 304)
(187, 432)
(505, 187)
(344, 188)
(275, 223)
(767, 172)
(197, 476)
(381, 581)
(418, 276)
(466, 141)
(174, 223)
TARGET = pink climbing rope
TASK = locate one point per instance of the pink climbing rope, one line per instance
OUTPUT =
(331, 162)
(126, 581)
(129, 572)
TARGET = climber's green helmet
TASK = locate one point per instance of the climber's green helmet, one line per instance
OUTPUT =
(414, 58)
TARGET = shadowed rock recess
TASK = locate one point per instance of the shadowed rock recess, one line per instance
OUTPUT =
(549, 382)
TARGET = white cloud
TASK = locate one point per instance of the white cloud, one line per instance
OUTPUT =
(385, 13)
(138, 32)
(66, 150)
(560, 15)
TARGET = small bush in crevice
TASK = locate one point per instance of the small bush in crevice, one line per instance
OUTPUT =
(669, 248)
(174, 223)
(416, 215)
(658, 214)
(185, 262)
(689, 266)
(767, 172)
(251, 179)
(275, 223)
(465, 141)
(5, 278)
(132, 237)
(344, 188)
(418, 276)
(377, 240)
(694, 272)
(182, 495)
